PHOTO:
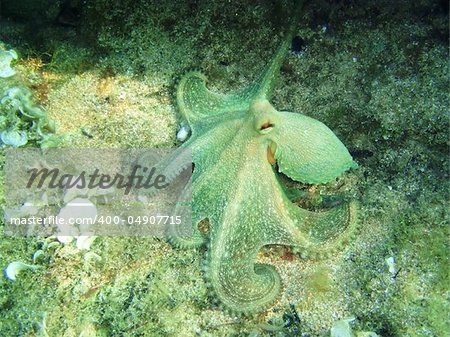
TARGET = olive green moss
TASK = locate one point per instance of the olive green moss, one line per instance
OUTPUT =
(375, 73)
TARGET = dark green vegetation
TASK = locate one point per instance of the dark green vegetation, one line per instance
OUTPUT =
(374, 72)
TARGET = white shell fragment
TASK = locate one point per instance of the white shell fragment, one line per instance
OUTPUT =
(390, 261)
(27, 209)
(183, 132)
(342, 328)
(14, 268)
(366, 334)
(84, 242)
(5, 63)
(77, 214)
(64, 239)
(93, 258)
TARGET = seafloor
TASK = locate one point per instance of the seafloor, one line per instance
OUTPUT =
(375, 72)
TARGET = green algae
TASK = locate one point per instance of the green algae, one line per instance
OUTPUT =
(378, 80)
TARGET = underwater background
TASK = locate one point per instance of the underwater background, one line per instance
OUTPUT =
(102, 74)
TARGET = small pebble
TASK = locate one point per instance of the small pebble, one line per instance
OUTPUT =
(183, 132)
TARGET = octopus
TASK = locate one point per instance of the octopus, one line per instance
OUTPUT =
(241, 146)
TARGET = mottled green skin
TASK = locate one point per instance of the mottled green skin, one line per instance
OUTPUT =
(235, 186)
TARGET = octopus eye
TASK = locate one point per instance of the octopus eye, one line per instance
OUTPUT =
(266, 127)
